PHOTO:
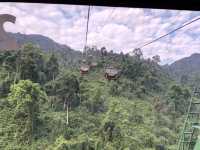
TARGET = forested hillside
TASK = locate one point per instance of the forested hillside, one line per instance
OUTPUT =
(46, 44)
(186, 70)
(47, 105)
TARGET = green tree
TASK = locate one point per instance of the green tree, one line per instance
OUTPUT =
(67, 90)
(95, 103)
(138, 53)
(179, 97)
(31, 64)
(184, 79)
(156, 58)
(150, 81)
(52, 67)
(50, 88)
(5, 86)
(10, 63)
(24, 98)
(133, 69)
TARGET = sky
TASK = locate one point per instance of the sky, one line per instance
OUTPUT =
(118, 29)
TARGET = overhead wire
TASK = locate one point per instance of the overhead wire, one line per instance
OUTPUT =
(106, 18)
(146, 44)
(182, 26)
(87, 27)
(88, 20)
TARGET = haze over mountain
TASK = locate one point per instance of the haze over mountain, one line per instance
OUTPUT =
(188, 66)
(45, 43)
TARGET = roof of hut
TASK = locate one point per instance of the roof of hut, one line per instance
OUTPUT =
(94, 64)
(85, 68)
(111, 71)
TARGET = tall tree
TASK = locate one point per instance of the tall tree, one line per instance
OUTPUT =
(67, 90)
(184, 79)
(156, 58)
(8, 61)
(180, 98)
(31, 63)
(52, 67)
(138, 53)
(25, 97)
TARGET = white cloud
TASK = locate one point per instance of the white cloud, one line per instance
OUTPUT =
(119, 29)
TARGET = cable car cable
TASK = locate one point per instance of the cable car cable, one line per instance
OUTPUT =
(86, 68)
(170, 32)
(87, 27)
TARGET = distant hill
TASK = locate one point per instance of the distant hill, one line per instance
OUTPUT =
(48, 45)
(44, 42)
(188, 66)
(185, 66)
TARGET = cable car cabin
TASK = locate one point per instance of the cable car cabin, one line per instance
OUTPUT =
(111, 73)
(84, 69)
(93, 64)
(84, 61)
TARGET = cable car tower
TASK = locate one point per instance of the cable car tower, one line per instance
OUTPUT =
(189, 132)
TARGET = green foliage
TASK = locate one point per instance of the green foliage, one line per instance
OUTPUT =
(31, 64)
(125, 123)
(67, 89)
(115, 89)
(96, 103)
(179, 97)
(5, 86)
(52, 67)
(184, 79)
(24, 100)
(46, 105)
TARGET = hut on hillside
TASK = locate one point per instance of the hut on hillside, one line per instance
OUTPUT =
(84, 69)
(111, 73)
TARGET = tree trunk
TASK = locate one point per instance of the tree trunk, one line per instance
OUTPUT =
(53, 77)
(52, 100)
(67, 114)
(15, 78)
(66, 105)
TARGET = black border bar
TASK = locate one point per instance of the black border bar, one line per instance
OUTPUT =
(156, 4)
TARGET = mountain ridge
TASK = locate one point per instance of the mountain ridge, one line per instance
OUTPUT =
(187, 66)
(44, 42)
(70, 55)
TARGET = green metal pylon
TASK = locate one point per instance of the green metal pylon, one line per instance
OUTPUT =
(188, 136)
